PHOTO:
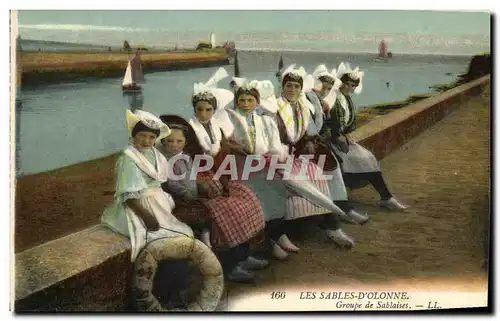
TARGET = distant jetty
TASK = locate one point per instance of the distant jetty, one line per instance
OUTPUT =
(39, 68)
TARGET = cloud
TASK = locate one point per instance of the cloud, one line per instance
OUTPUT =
(71, 27)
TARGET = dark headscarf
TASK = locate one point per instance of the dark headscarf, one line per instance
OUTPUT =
(193, 146)
(205, 96)
(247, 91)
(347, 77)
(292, 77)
(327, 79)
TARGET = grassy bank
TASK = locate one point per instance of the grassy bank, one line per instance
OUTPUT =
(43, 68)
(370, 112)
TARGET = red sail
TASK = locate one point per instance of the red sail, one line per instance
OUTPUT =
(382, 49)
(137, 73)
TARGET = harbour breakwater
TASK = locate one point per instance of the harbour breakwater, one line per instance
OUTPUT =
(49, 68)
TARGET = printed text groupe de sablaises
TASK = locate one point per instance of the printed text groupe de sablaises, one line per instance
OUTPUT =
(359, 300)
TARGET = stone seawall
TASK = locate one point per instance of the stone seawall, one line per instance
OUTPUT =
(49, 68)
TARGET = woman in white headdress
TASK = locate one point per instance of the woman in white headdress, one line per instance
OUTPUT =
(326, 81)
(256, 134)
(294, 119)
(238, 217)
(359, 166)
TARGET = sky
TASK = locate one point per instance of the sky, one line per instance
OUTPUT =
(352, 31)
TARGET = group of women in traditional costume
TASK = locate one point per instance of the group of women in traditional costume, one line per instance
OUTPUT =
(157, 195)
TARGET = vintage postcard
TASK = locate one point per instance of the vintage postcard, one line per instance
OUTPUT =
(235, 160)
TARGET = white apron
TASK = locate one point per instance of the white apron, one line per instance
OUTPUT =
(358, 159)
(298, 206)
(336, 184)
(272, 194)
(205, 142)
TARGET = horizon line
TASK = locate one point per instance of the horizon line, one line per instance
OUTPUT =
(333, 51)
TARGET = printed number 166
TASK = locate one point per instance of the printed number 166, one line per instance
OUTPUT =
(278, 295)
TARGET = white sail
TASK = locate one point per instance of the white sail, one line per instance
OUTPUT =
(127, 80)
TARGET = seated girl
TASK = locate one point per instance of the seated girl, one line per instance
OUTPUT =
(236, 215)
(141, 210)
(185, 192)
(325, 81)
(293, 118)
(253, 133)
(359, 166)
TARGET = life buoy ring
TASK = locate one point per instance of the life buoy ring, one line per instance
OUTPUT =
(176, 248)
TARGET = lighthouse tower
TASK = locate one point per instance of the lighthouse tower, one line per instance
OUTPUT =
(212, 39)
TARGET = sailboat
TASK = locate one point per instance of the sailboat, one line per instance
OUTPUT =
(133, 76)
(280, 66)
(383, 52)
